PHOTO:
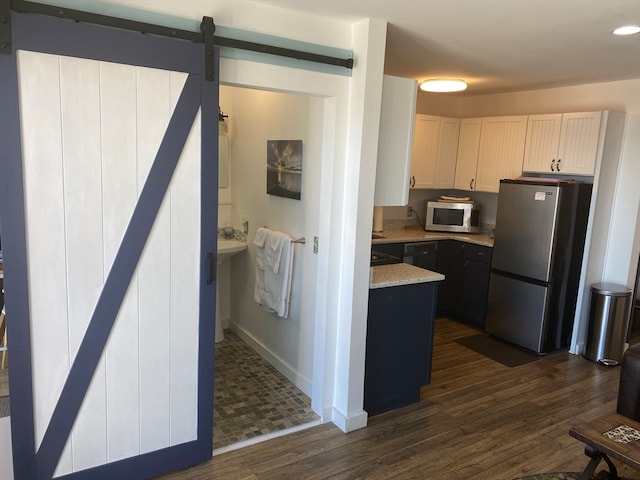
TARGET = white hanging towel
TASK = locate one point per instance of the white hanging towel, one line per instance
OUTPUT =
(274, 269)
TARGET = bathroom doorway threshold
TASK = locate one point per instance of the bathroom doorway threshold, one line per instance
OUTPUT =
(264, 438)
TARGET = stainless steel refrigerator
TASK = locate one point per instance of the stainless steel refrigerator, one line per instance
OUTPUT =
(536, 261)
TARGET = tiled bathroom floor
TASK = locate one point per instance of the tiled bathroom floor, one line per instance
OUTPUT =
(251, 398)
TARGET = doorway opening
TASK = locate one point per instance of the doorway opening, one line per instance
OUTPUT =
(263, 366)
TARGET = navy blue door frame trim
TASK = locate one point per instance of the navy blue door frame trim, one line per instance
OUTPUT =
(37, 33)
(55, 36)
(15, 268)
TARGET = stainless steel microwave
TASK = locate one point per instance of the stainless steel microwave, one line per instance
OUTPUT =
(452, 217)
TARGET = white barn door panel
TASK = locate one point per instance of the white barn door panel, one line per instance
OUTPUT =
(91, 132)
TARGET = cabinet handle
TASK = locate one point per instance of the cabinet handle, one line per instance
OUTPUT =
(412, 182)
(471, 184)
(553, 165)
(558, 165)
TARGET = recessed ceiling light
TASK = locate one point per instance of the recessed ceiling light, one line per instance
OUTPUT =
(627, 30)
(441, 85)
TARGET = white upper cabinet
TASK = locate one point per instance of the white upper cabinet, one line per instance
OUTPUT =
(425, 151)
(501, 151)
(447, 152)
(467, 158)
(395, 141)
(435, 146)
(562, 143)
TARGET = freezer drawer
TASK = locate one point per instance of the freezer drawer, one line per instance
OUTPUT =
(516, 311)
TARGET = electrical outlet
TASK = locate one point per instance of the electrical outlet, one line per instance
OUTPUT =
(409, 211)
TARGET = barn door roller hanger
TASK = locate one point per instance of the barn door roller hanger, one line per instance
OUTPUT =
(206, 35)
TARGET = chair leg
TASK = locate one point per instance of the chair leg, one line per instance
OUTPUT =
(596, 456)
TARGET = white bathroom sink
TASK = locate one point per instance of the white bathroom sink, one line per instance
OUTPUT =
(227, 248)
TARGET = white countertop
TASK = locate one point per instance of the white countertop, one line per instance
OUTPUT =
(401, 274)
(416, 234)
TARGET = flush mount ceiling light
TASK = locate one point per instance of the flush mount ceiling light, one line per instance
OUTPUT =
(441, 85)
(627, 30)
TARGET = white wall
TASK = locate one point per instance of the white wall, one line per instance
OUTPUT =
(442, 104)
(258, 116)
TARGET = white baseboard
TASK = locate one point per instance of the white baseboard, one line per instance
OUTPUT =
(578, 350)
(300, 381)
(349, 423)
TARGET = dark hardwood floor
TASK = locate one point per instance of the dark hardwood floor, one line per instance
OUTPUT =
(478, 420)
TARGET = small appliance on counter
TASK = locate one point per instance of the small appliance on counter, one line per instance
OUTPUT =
(452, 214)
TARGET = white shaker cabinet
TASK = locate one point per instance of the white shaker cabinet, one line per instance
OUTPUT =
(501, 151)
(395, 141)
(435, 145)
(562, 143)
(425, 151)
(447, 152)
(467, 157)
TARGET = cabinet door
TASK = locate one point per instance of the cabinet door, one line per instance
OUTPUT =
(579, 143)
(467, 158)
(425, 151)
(475, 284)
(541, 147)
(447, 151)
(475, 290)
(442, 266)
(455, 278)
(501, 151)
(395, 141)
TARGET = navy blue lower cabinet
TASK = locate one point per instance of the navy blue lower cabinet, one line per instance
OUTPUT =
(399, 345)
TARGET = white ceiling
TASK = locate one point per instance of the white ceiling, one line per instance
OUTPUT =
(498, 45)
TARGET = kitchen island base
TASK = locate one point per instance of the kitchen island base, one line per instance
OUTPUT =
(399, 345)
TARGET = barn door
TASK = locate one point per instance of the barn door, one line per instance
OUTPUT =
(109, 186)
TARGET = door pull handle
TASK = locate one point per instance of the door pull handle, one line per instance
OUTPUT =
(211, 268)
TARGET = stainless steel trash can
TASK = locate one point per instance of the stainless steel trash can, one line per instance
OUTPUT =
(608, 323)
